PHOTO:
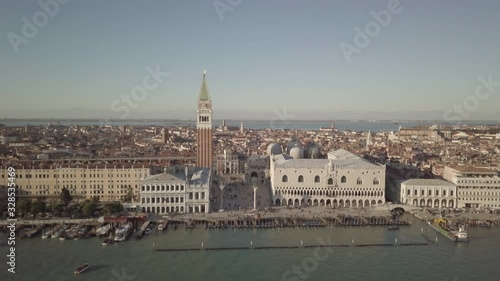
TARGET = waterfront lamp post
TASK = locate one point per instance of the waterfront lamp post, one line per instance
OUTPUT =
(221, 186)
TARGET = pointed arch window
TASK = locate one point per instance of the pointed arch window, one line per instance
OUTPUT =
(343, 179)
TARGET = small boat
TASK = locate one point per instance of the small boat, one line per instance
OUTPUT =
(82, 268)
(103, 230)
(80, 233)
(461, 235)
(393, 228)
(59, 231)
(122, 233)
(161, 225)
(47, 234)
(107, 241)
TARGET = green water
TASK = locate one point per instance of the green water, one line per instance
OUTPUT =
(134, 260)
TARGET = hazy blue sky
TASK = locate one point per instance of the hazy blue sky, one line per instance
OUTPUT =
(262, 55)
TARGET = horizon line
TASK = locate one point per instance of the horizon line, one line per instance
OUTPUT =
(241, 119)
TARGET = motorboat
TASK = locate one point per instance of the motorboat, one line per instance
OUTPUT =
(81, 268)
(58, 233)
(81, 233)
(103, 230)
(47, 234)
(122, 233)
(461, 235)
(107, 241)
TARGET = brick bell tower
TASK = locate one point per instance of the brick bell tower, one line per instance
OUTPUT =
(204, 149)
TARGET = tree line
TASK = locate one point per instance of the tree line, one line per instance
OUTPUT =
(66, 207)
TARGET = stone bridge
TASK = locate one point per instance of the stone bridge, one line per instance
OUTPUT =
(401, 208)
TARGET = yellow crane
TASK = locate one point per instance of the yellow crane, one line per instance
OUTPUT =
(441, 222)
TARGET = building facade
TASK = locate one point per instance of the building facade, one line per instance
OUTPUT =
(163, 193)
(103, 182)
(476, 187)
(430, 193)
(341, 180)
(434, 133)
(227, 163)
(204, 149)
(198, 191)
(177, 193)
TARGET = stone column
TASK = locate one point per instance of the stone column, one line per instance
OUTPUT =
(255, 187)
(221, 186)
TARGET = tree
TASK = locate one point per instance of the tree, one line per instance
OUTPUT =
(38, 207)
(24, 205)
(130, 196)
(114, 207)
(76, 209)
(89, 208)
(65, 196)
(57, 209)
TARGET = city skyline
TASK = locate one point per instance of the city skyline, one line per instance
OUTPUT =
(265, 58)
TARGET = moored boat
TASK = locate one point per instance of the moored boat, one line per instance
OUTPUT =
(81, 233)
(58, 233)
(123, 232)
(461, 235)
(161, 225)
(47, 234)
(103, 230)
(107, 241)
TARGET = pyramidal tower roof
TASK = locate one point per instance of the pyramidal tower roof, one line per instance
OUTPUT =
(204, 96)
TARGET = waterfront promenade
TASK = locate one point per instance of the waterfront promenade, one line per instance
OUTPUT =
(51, 221)
(306, 213)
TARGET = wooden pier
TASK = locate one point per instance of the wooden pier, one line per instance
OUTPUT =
(290, 247)
(282, 222)
(140, 232)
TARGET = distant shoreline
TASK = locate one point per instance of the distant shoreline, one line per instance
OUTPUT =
(243, 120)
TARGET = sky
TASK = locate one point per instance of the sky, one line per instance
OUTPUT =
(263, 59)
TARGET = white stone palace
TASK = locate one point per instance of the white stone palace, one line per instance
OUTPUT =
(177, 193)
(341, 180)
(431, 193)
